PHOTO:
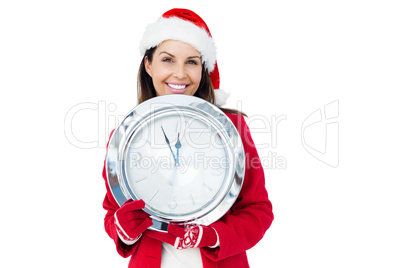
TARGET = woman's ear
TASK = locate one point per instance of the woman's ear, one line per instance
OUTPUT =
(148, 66)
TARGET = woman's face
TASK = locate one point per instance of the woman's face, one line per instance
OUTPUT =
(176, 68)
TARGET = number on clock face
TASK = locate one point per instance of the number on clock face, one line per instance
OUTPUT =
(176, 164)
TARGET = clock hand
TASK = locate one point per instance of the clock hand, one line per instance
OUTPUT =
(178, 146)
(168, 143)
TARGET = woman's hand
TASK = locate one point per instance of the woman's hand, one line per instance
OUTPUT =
(131, 221)
(189, 236)
(193, 236)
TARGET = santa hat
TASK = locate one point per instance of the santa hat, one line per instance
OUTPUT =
(186, 26)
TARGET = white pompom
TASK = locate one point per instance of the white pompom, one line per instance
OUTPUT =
(220, 97)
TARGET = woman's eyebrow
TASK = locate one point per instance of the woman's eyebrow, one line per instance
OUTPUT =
(167, 53)
(191, 57)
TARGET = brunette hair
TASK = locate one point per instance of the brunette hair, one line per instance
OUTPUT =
(146, 89)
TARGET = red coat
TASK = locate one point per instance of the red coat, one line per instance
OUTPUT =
(239, 229)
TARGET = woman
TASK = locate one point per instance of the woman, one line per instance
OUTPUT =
(180, 58)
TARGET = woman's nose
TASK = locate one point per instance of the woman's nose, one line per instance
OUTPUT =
(180, 71)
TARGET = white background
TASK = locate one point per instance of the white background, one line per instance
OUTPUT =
(276, 58)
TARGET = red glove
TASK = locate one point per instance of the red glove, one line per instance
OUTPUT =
(131, 221)
(189, 236)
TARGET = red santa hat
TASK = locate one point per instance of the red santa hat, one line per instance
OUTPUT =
(186, 26)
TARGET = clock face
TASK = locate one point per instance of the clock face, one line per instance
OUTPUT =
(177, 163)
(181, 155)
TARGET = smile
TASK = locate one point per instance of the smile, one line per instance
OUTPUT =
(175, 86)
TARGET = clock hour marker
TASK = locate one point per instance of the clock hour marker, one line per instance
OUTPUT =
(192, 198)
(213, 149)
(154, 195)
(137, 181)
(146, 140)
(206, 186)
(202, 131)
(179, 125)
(172, 203)
(216, 172)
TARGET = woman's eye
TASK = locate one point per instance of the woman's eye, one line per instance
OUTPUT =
(193, 62)
(167, 60)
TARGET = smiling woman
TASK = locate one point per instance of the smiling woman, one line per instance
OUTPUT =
(179, 57)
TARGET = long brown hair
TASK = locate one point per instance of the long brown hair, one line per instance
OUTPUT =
(146, 89)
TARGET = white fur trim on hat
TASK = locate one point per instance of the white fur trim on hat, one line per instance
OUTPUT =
(220, 97)
(181, 30)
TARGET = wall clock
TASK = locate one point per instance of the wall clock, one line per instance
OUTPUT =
(180, 154)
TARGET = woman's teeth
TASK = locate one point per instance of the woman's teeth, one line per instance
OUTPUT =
(177, 86)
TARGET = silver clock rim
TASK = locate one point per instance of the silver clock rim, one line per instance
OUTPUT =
(207, 208)
(121, 136)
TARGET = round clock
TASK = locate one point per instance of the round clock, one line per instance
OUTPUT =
(181, 155)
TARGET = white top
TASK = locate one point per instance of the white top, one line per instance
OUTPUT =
(185, 258)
